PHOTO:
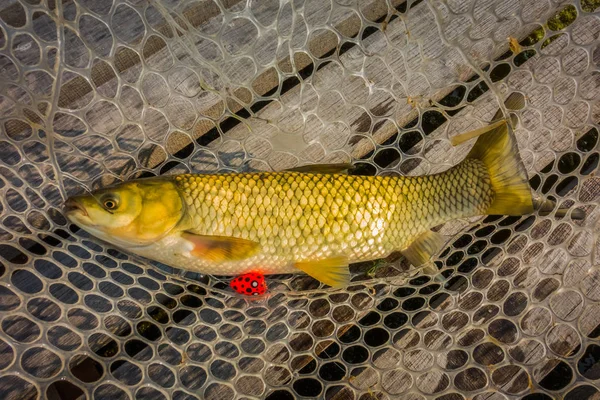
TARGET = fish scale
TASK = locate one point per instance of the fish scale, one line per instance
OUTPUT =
(299, 217)
(314, 219)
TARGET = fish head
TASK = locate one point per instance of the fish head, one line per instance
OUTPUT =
(134, 213)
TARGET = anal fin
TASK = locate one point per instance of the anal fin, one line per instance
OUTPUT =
(220, 248)
(423, 248)
(330, 271)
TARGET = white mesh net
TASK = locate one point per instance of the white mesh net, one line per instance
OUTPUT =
(93, 92)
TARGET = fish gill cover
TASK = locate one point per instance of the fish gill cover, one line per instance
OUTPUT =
(96, 92)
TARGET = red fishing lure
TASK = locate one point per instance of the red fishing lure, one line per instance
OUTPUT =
(250, 284)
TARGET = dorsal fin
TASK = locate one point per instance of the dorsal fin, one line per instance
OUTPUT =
(322, 168)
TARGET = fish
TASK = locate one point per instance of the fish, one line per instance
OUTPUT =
(315, 219)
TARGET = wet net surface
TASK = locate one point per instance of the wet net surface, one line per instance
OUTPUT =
(95, 92)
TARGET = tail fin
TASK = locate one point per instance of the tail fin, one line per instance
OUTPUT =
(497, 149)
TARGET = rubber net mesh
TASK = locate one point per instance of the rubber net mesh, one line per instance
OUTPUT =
(94, 92)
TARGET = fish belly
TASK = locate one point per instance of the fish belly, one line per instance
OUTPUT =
(175, 251)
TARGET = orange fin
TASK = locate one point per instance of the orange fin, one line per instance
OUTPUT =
(220, 248)
(331, 271)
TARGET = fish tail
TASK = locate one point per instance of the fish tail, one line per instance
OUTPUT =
(497, 149)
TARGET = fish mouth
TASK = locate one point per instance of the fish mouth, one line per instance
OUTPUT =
(72, 206)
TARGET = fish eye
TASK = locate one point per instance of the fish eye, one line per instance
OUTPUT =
(110, 204)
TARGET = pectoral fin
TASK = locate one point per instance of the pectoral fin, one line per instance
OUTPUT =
(322, 168)
(331, 271)
(220, 248)
(423, 248)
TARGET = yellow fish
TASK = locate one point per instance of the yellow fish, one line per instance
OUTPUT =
(314, 219)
